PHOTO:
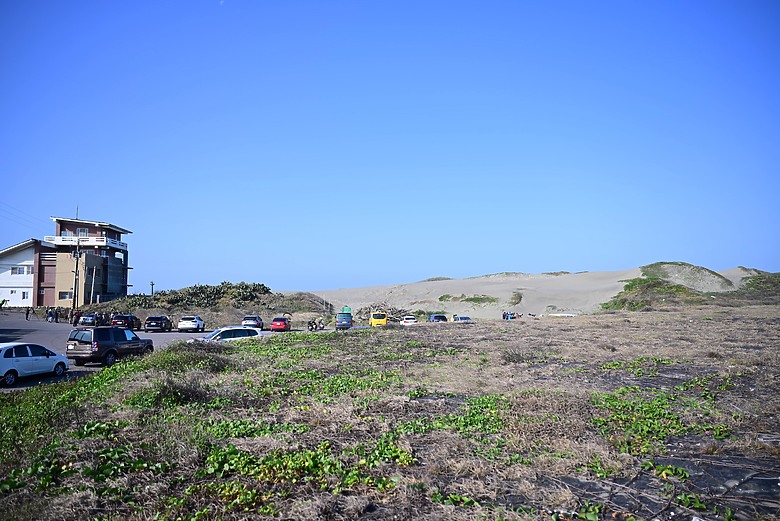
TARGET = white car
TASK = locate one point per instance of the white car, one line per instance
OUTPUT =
(191, 323)
(408, 320)
(18, 359)
(252, 321)
(462, 319)
(229, 333)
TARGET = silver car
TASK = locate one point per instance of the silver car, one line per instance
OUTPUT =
(20, 359)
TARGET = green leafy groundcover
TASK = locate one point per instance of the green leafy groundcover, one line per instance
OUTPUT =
(189, 416)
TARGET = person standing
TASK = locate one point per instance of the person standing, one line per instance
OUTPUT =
(27, 313)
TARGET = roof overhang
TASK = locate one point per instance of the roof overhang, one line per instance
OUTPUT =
(98, 224)
(24, 245)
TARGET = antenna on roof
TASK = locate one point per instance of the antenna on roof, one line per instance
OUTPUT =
(77, 211)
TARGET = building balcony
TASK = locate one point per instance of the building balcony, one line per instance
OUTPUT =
(85, 242)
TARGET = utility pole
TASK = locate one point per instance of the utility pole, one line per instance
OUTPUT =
(152, 284)
(76, 275)
(92, 291)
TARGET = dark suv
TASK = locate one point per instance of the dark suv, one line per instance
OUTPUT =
(128, 321)
(158, 323)
(105, 345)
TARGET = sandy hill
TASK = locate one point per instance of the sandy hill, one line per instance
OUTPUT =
(489, 295)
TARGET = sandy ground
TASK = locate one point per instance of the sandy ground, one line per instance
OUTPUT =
(576, 293)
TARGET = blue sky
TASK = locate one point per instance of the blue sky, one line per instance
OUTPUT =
(317, 145)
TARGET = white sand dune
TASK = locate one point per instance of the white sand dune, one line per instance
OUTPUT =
(576, 293)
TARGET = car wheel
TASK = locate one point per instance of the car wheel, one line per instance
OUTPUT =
(109, 359)
(59, 369)
(9, 379)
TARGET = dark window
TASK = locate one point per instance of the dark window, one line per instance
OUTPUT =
(129, 335)
(21, 352)
(9, 353)
(36, 350)
(103, 335)
(83, 336)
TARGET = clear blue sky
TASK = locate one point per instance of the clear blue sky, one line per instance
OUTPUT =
(317, 145)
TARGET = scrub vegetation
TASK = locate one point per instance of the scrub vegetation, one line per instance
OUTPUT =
(653, 291)
(620, 415)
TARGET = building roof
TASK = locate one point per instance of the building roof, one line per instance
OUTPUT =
(23, 245)
(98, 224)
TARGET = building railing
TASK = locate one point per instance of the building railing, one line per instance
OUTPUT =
(74, 241)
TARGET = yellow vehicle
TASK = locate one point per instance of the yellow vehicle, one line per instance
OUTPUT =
(378, 318)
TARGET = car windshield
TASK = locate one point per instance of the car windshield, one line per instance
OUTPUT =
(379, 315)
(212, 334)
(250, 318)
(154, 318)
(187, 319)
(279, 320)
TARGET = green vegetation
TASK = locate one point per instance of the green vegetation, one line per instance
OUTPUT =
(406, 419)
(517, 298)
(643, 293)
(764, 283)
(473, 299)
(225, 296)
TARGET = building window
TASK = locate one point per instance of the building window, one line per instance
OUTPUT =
(41, 291)
(17, 270)
(25, 295)
(65, 295)
(13, 292)
(82, 232)
(66, 233)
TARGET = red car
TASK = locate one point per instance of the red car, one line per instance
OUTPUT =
(280, 324)
(128, 321)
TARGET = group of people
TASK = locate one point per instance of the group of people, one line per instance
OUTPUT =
(511, 315)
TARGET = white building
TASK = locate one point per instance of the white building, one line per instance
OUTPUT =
(19, 272)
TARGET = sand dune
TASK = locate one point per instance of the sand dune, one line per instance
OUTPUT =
(577, 293)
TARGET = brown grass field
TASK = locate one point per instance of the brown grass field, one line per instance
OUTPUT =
(665, 414)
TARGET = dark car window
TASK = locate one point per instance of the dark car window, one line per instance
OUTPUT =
(36, 350)
(251, 332)
(126, 335)
(103, 335)
(9, 353)
(21, 352)
(83, 336)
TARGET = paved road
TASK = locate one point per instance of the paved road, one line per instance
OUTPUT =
(14, 328)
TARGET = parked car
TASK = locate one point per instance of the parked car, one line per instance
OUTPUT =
(377, 318)
(253, 321)
(105, 344)
(343, 321)
(280, 324)
(18, 360)
(408, 320)
(437, 317)
(88, 319)
(128, 321)
(462, 319)
(229, 333)
(158, 323)
(191, 323)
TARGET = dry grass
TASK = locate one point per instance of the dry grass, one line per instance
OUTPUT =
(498, 420)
